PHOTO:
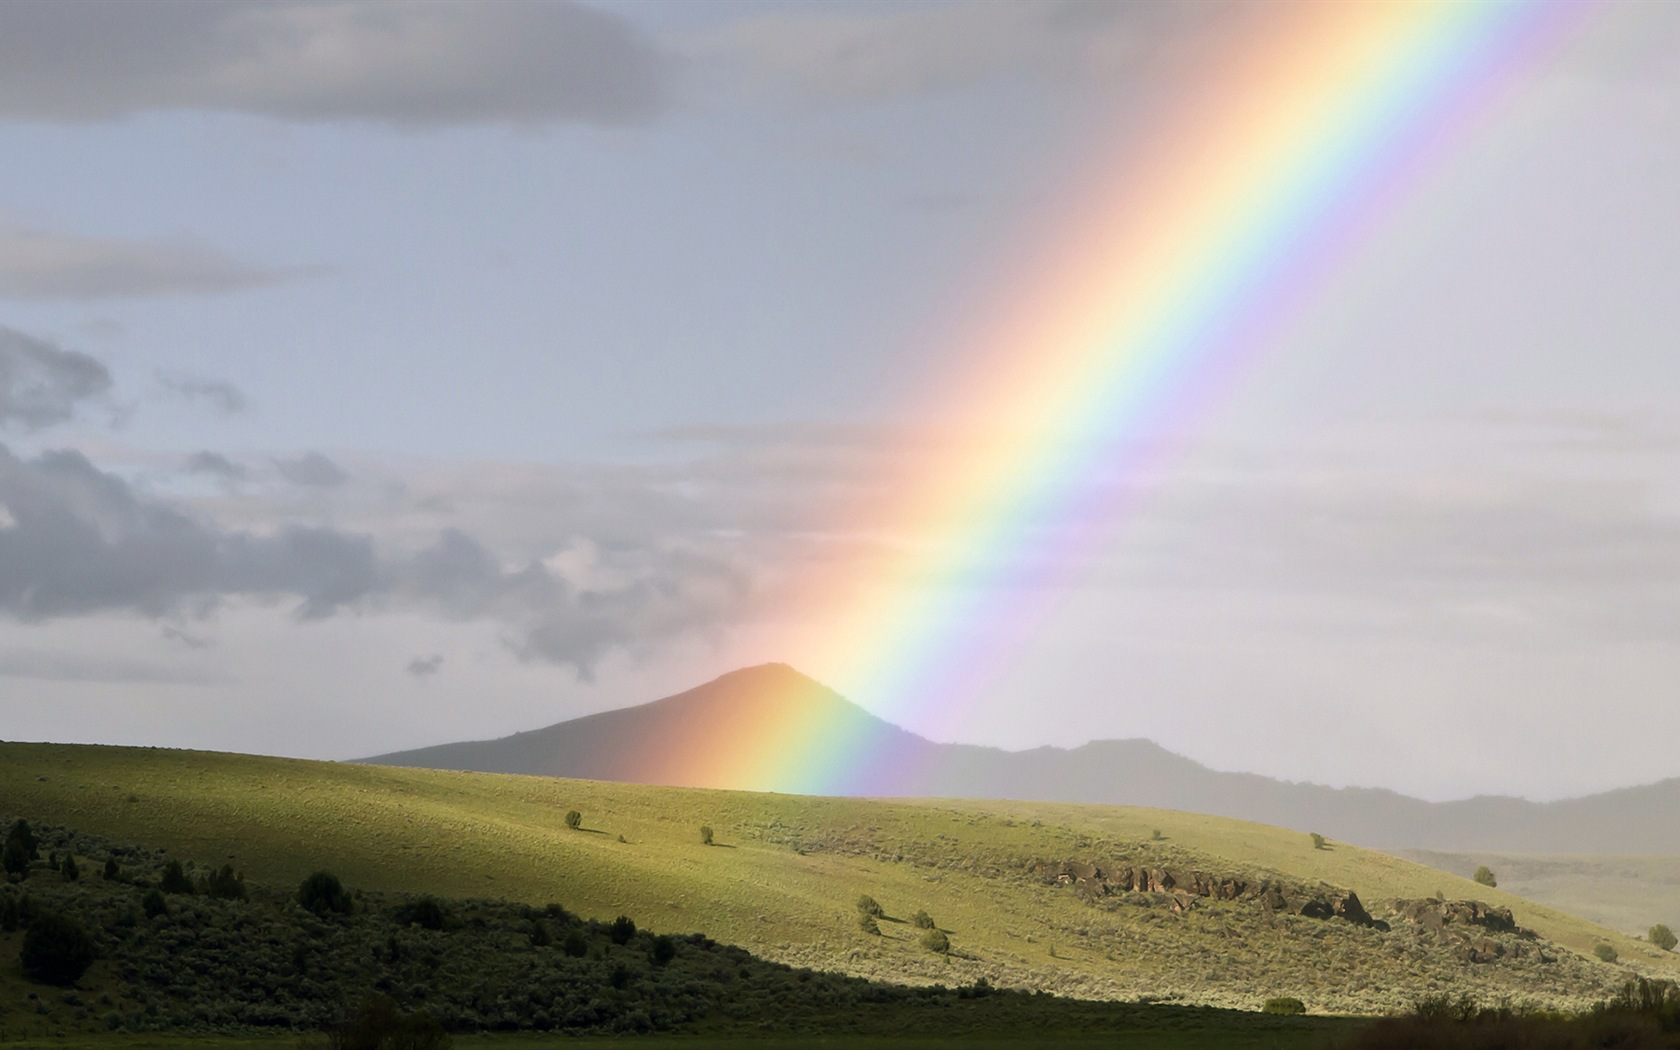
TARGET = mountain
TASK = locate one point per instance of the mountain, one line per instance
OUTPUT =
(713, 736)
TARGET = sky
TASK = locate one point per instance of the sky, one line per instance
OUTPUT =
(375, 375)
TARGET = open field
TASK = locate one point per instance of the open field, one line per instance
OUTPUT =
(785, 872)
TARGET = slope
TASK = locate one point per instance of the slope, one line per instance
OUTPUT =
(786, 871)
(653, 743)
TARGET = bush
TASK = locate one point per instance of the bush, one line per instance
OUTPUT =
(922, 921)
(113, 871)
(14, 858)
(56, 950)
(936, 941)
(322, 893)
(225, 884)
(175, 879)
(379, 1025)
(10, 914)
(868, 906)
(664, 950)
(1484, 875)
(574, 819)
(1284, 1004)
(1605, 952)
(706, 834)
(153, 904)
(1317, 839)
(867, 924)
(621, 930)
(426, 913)
(69, 871)
(1662, 937)
(575, 944)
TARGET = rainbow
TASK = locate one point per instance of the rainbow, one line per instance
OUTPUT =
(1170, 283)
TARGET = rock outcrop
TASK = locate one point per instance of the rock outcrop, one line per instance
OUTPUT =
(1185, 885)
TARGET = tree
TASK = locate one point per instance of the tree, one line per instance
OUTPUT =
(14, 857)
(22, 833)
(68, 871)
(1317, 839)
(1662, 937)
(622, 929)
(225, 884)
(574, 819)
(664, 950)
(56, 950)
(1484, 875)
(867, 906)
(706, 834)
(922, 921)
(1605, 952)
(175, 879)
(113, 870)
(153, 904)
(936, 941)
(321, 893)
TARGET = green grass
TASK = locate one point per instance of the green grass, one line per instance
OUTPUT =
(786, 870)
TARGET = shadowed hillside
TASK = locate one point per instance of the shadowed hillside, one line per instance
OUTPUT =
(656, 743)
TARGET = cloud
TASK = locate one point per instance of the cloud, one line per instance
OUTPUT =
(83, 667)
(864, 53)
(39, 265)
(223, 397)
(312, 470)
(216, 465)
(79, 542)
(41, 384)
(425, 666)
(401, 62)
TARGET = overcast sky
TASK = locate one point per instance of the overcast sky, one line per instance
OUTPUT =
(381, 374)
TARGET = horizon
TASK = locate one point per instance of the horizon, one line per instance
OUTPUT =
(1289, 386)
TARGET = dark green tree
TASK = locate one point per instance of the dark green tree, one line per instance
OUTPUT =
(923, 921)
(867, 905)
(323, 894)
(10, 914)
(175, 879)
(706, 834)
(154, 904)
(663, 951)
(68, 870)
(225, 884)
(14, 857)
(113, 871)
(1662, 937)
(936, 941)
(1484, 875)
(56, 950)
(621, 930)
(574, 819)
(21, 832)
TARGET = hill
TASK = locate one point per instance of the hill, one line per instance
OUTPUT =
(1093, 901)
(637, 744)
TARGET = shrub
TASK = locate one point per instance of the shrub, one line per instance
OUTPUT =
(1662, 937)
(664, 950)
(426, 913)
(56, 950)
(1284, 1004)
(574, 819)
(379, 1025)
(153, 904)
(68, 870)
(922, 921)
(175, 879)
(1484, 875)
(1605, 952)
(14, 857)
(1317, 839)
(868, 906)
(113, 871)
(575, 944)
(225, 884)
(706, 834)
(10, 914)
(322, 893)
(936, 941)
(1156, 836)
(867, 924)
(621, 930)
(21, 833)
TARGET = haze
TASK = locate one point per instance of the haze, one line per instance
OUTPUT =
(380, 375)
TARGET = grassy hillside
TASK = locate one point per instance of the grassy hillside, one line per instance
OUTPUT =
(785, 872)
(1627, 893)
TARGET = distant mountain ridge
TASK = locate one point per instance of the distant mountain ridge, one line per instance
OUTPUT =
(646, 744)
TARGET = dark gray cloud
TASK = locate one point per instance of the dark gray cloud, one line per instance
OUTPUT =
(425, 666)
(221, 396)
(36, 264)
(41, 383)
(216, 465)
(312, 470)
(402, 62)
(76, 541)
